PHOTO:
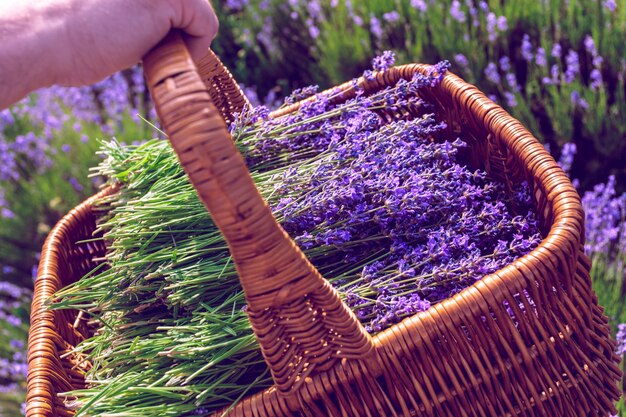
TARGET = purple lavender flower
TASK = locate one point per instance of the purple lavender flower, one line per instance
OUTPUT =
(578, 101)
(492, 74)
(596, 79)
(510, 99)
(456, 12)
(375, 27)
(236, 4)
(76, 184)
(419, 5)
(527, 48)
(461, 60)
(604, 214)
(384, 61)
(567, 156)
(556, 51)
(590, 46)
(511, 80)
(540, 57)
(505, 63)
(314, 31)
(391, 17)
(492, 22)
(621, 339)
(573, 66)
(502, 23)
(611, 5)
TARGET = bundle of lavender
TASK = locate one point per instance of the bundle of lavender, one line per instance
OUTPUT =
(385, 210)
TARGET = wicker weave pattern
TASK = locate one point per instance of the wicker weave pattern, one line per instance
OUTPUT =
(528, 340)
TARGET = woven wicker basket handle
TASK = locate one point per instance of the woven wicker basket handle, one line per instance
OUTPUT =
(298, 318)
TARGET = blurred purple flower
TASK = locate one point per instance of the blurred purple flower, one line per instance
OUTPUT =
(604, 216)
(505, 63)
(510, 99)
(391, 17)
(65, 148)
(502, 23)
(621, 339)
(492, 74)
(556, 50)
(590, 46)
(573, 66)
(491, 26)
(568, 152)
(511, 80)
(314, 31)
(526, 48)
(611, 5)
(461, 60)
(456, 12)
(482, 5)
(578, 101)
(76, 184)
(540, 57)
(419, 5)
(596, 78)
(375, 27)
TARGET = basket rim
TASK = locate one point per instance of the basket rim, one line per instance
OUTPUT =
(564, 238)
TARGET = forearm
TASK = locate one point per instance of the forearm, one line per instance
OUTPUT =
(78, 42)
(27, 36)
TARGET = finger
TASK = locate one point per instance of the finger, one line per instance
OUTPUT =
(198, 20)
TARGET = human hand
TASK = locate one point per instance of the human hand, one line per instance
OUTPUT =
(76, 42)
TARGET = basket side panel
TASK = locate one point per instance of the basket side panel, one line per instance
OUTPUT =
(54, 333)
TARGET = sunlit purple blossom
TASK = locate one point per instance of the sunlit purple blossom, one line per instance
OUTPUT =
(492, 74)
(456, 12)
(556, 50)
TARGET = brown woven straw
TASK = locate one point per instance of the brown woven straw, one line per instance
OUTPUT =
(467, 356)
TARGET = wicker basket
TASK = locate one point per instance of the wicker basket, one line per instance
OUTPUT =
(463, 357)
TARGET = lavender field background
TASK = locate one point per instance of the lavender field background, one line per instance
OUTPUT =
(557, 66)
